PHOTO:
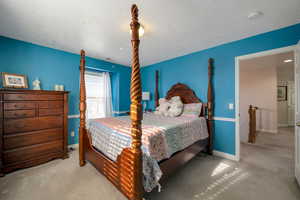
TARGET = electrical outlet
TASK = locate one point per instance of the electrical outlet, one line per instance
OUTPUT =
(72, 133)
(231, 106)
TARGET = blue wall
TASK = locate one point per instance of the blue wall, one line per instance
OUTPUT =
(58, 67)
(192, 70)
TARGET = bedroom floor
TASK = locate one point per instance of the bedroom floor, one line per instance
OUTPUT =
(265, 172)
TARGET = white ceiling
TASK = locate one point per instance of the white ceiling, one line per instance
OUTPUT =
(275, 60)
(173, 27)
(285, 71)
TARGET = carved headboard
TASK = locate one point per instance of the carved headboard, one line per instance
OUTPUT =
(186, 94)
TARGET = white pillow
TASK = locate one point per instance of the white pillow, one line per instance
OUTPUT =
(176, 107)
(192, 109)
(163, 107)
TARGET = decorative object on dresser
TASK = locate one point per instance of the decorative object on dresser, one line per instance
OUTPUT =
(36, 84)
(14, 80)
(56, 87)
(59, 87)
(33, 128)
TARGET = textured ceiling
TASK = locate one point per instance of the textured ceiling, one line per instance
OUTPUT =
(173, 27)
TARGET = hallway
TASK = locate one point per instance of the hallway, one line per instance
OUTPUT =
(272, 153)
(275, 149)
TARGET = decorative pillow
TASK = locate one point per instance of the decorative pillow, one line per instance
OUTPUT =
(192, 109)
(163, 107)
(176, 107)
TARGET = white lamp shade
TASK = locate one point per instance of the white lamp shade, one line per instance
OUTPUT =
(146, 96)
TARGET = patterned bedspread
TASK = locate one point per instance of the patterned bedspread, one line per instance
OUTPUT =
(162, 137)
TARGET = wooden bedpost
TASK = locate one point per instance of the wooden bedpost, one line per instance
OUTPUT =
(156, 89)
(82, 109)
(130, 162)
(210, 104)
(136, 113)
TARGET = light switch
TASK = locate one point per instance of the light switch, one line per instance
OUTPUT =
(231, 106)
(72, 133)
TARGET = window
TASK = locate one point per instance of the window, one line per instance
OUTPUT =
(98, 95)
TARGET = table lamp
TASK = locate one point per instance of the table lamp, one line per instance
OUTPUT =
(145, 98)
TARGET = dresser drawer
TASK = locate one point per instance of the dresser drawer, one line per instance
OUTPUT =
(49, 112)
(29, 138)
(31, 97)
(31, 152)
(51, 104)
(19, 106)
(10, 114)
(32, 124)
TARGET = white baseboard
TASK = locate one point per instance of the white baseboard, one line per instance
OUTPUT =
(224, 119)
(267, 131)
(73, 116)
(121, 112)
(75, 146)
(282, 125)
(285, 125)
(225, 155)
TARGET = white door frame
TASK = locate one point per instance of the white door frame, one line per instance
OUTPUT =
(237, 88)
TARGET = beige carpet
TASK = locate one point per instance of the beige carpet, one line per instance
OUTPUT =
(265, 172)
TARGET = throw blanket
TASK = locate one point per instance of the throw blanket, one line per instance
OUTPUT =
(162, 137)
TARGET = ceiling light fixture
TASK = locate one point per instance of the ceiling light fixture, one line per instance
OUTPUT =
(288, 60)
(255, 15)
(141, 30)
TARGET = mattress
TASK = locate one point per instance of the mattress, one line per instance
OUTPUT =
(161, 138)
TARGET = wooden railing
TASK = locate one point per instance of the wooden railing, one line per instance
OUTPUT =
(252, 124)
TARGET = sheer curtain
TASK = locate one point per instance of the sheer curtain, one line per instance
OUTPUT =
(98, 95)
(107, 95)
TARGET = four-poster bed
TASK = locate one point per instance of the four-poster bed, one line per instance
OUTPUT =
(126, 172)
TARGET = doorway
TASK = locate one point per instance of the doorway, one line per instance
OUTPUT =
(257, 94)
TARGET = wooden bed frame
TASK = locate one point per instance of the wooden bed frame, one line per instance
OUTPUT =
(126, 173)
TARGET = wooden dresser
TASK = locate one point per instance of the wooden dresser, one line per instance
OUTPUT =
(33, 128)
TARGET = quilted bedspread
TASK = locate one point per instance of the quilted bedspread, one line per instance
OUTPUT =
(162, 137)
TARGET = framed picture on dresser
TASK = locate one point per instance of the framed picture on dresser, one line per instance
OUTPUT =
(14, 80)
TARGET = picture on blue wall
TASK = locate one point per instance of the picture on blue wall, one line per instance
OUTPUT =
(14, 80)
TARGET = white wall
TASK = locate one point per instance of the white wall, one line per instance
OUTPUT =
(258, 87)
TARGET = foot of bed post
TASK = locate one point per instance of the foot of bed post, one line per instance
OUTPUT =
(130, 173)
(82, 146)
(209, 151)
(82, 163)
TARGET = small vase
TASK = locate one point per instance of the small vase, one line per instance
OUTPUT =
(56, 87)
